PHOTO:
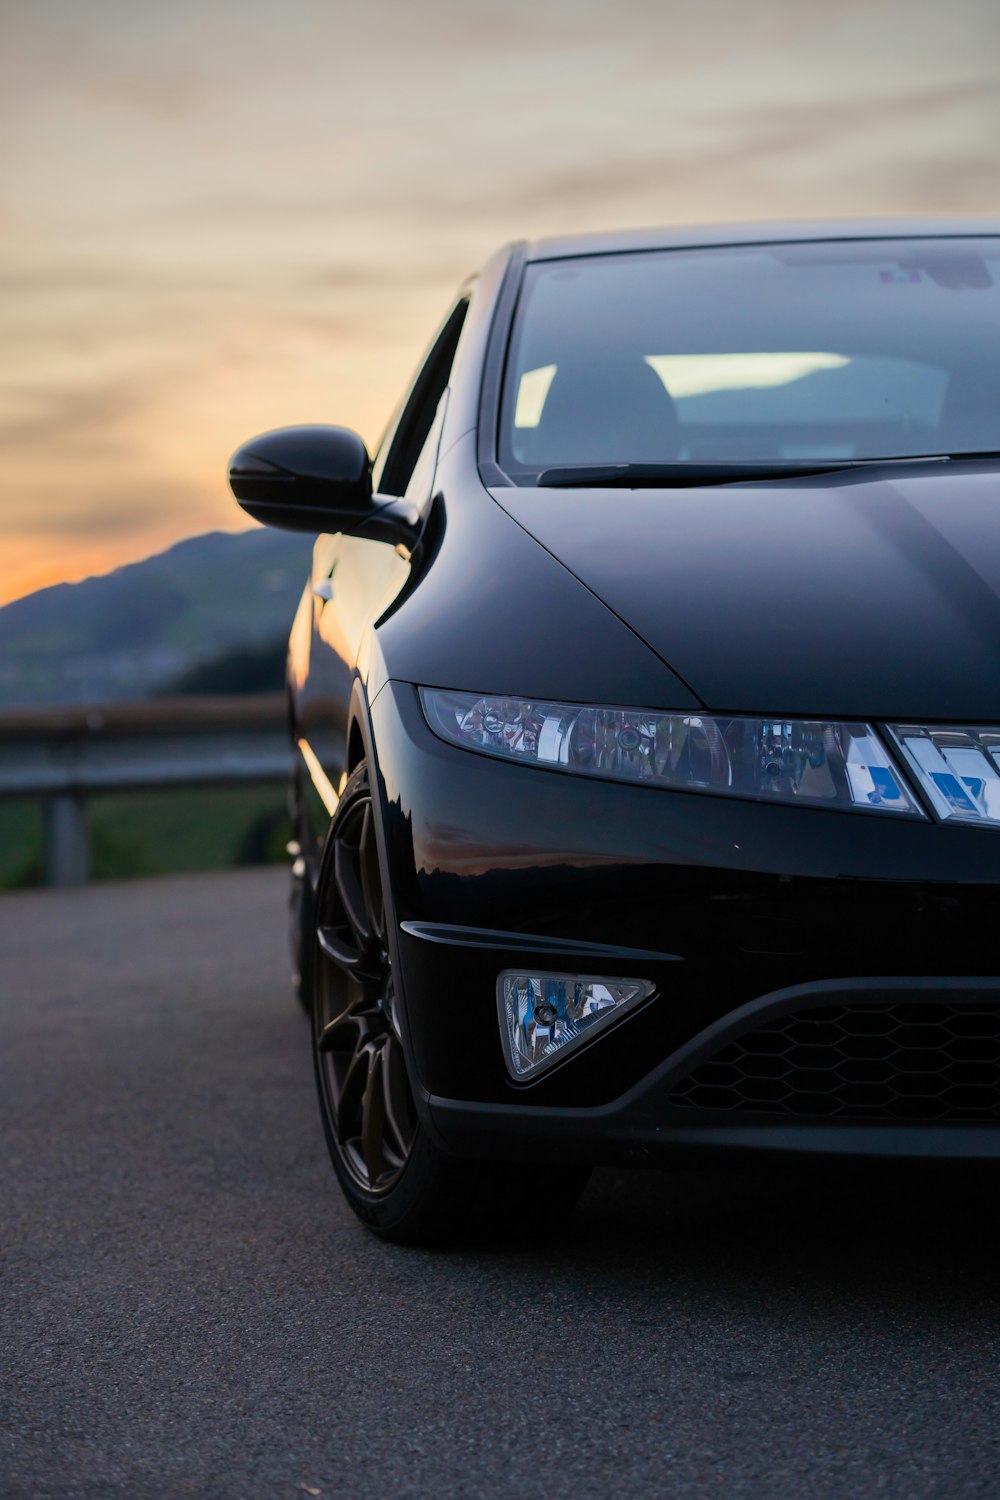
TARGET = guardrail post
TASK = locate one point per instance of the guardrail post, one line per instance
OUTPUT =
(66, 755)
(67, 848)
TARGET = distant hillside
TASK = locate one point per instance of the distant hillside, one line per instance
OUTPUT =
(129, 633)
(241, 669)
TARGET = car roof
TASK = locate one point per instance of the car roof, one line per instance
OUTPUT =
(697, 236)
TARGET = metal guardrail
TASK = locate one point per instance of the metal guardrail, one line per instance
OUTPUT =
(66, 755)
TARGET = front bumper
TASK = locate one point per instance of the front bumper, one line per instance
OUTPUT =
(737, 911)
(899, 1073)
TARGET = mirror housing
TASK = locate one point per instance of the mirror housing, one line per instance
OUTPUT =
(317, 479)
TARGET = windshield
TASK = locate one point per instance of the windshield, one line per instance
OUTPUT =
(784, 353)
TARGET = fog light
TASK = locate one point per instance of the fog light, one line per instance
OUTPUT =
(544, 1016)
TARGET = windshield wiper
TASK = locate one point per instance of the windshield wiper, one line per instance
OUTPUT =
(679, 475)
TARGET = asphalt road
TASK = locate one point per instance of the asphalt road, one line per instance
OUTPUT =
(189, 1310)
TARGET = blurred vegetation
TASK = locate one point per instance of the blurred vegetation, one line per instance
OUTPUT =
(244, 669)
(127, 634)
(156, 833)
(20, 844)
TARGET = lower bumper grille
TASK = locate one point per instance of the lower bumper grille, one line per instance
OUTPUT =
(905, 1061)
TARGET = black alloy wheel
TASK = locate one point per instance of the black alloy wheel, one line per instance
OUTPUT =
(359, 1052)
(395, 1178)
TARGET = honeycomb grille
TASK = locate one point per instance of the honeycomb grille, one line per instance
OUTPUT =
(905, 1062)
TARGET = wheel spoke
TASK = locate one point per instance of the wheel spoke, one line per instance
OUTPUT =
(365, 968)
(352, 1093)
(371, 880)
(390, 1008)
(396, 1088)
(345, 863)
(373, 1118)
(339, 1033)
(353, 1024)
(339, 952)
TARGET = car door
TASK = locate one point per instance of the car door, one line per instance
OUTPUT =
(354, 579)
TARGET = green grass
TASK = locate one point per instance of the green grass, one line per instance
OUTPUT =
(20, 844)
(155, 833)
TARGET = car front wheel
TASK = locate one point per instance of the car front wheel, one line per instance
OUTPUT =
(396, 1179)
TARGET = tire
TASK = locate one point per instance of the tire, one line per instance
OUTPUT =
(398, 1181)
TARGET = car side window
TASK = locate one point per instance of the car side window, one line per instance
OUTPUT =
(419, 484)
(411, 443)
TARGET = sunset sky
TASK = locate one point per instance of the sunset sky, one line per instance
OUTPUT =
(219, 217)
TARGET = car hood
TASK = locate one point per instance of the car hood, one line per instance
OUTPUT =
(868, 594)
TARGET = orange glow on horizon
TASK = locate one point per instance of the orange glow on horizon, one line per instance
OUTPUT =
(203, 238)
(17, 581)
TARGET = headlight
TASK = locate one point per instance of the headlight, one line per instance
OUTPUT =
(785, 760)
(957, 766)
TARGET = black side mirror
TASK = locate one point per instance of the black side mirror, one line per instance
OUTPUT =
(317, 479)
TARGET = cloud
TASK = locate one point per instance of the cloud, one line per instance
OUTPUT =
(121, 512)
(163, 97)
(90, 416)
(755, 139)
(215, 223)
(686, 156)
(71, 534)
(952, 182)
(778, 127)
(69, 274)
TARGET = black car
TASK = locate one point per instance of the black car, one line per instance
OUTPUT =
(646, 697)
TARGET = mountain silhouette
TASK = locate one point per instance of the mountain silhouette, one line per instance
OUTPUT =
(130, 633)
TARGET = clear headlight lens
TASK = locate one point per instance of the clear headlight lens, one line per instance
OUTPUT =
(544, 1016)
(787, 760)
(957, 767)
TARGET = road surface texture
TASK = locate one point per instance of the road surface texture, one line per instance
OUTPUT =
(189, 1310)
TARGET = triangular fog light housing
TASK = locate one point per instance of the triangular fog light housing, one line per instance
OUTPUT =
(545, 1016)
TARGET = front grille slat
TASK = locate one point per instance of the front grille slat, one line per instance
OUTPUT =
(904, 1061)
